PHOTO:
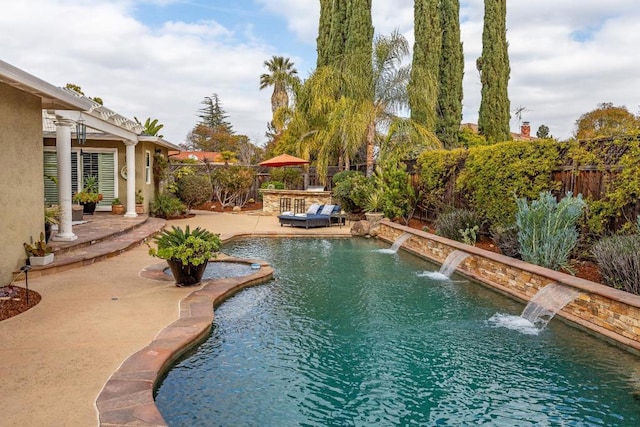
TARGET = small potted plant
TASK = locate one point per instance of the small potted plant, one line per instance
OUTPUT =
(186, 252)
(117, 208)
(51, 219)
(139, 202)
(89, 197)
(374, 207)
(39, 253)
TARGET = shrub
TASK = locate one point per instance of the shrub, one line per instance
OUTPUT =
(232, 185)
(166, 205)
(194, 190)
(506, 239)
(618, 259)
(291, 177)
(438, 172)
(493, 174)
(547, 229)
(398, 196)
(352, 189)
(276, 185)
(457, 223)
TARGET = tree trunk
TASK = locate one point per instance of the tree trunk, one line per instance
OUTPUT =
(371, 134)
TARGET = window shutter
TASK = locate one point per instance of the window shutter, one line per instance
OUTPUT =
(106, 178)
(51, 171)
(50, 174)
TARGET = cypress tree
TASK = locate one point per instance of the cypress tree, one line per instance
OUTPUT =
(338, 32)
(451, 73)
(423, 86)
(359, 49)
(493, 65)
(324, 33)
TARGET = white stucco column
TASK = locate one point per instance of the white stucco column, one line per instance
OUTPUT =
(63, 159)
(131, 178)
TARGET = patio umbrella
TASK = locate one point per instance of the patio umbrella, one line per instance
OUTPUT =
(284, 160)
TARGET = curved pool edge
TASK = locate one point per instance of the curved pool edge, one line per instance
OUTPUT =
(127, 396)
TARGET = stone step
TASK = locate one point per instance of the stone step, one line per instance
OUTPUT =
(97, 247)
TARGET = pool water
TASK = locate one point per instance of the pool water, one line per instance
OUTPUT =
(348, 336)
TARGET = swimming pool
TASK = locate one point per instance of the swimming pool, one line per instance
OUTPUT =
(346, 335)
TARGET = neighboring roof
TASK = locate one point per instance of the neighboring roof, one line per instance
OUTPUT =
(201, 156)
(52, 97)
(515, 136)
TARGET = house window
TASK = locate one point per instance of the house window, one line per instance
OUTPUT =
(147, 167)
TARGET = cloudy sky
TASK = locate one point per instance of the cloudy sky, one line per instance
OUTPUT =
(160, 58)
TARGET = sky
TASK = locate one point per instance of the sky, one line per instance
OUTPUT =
(161, 58)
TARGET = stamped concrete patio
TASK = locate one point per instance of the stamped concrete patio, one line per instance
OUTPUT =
(56, 358)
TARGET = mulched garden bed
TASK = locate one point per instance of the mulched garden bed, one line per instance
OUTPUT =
(13, 301)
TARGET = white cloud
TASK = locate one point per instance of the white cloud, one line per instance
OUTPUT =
(566, 56)
(139, 71)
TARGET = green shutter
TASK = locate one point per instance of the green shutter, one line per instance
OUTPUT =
(106, 178)
(51, 174)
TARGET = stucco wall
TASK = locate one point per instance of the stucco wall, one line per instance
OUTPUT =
(611, 313)
(21, 177)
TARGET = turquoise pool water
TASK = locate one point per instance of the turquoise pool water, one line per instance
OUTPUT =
(347, 336)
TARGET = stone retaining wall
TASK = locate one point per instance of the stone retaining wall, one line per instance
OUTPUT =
(611, 313)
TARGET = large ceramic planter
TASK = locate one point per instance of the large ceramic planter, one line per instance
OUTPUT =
(88, 208)
(186, 274)
(41, 260)
(374, 217)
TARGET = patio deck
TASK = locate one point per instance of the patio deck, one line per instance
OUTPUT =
(57, 356)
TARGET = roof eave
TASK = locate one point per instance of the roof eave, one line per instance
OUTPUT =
(52, 97)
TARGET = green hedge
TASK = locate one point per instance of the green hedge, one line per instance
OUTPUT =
(488, 179)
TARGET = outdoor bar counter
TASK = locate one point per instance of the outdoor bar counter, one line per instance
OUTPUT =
(298, 201)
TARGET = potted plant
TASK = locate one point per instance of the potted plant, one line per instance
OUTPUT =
(39, 253)
(374, 206)
(117, 208)
(51, 218)
(139, 202)
(89, 196)
(187, 252)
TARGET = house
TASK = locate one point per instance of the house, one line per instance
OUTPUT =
(113, 142)
(197, 156)
(524, 135)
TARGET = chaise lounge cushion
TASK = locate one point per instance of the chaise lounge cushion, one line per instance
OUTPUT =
(309, 220)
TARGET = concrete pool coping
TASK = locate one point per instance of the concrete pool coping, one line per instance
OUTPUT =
(127, 397)
(57, 356)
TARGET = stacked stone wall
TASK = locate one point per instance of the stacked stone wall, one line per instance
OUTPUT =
(609, 312)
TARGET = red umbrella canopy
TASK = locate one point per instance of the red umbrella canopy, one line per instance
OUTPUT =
(284, 160)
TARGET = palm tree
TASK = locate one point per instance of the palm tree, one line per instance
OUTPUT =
(151, 127)
(283, 77)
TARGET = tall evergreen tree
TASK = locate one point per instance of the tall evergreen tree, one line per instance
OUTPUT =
(338, 32)
(493, 65)
(359, 49)
(324, 33)
(451, 73)
(213, 115)
(423, 87)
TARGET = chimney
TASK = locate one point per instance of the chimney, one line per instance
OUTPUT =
(525, 130)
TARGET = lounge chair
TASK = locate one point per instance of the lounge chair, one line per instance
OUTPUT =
(316, 216)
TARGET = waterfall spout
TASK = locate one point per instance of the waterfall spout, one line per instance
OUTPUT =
(399, 242)
(452, 262)
(547, 302)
